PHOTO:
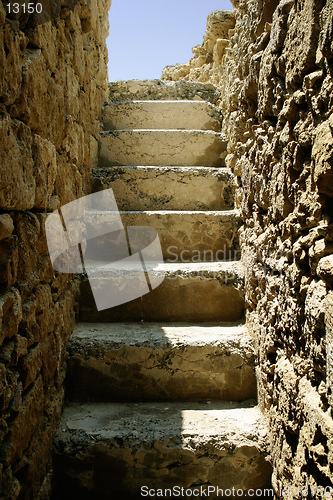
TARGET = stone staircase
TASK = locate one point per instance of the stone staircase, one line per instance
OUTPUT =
(162, 390)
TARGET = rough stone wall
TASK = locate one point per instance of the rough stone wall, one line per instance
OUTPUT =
(277, 88)
(53, 78)
(205, 64)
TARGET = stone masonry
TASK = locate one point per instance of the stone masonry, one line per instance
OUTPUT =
(271, 64)
(53, 78)
(162, 389)
(275, 77)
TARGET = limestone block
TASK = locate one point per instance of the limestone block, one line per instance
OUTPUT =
(73, 143)
(10, 386)
(45, 170)
(68, 185)
(315, 305)
(10, 82)
(319, 249)
(93, 112)
(311, 79)
(79, 55)
(90, 151)
(89, 16)
(325, 269)
(7, 350)
(325, 46)
(315, 418)
(34, 261)
(322, 154)
(300, 58)
(219, 23)
(46, 36)
(34, 324)
(219, 49)
(6, 226)
(72, 83)
(10, 313)
(329, 344)
(40, 445)
(20, 348)
(23, 426)
(17, 183)
(90, 160)
(46, 321)
(31, 366)
(8, 261)
(35, 103)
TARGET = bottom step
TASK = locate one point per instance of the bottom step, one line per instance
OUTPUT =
(118, 451)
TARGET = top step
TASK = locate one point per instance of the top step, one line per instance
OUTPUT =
(156, 90)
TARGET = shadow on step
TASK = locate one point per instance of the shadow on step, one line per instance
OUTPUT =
(122, 451)
(137, 362)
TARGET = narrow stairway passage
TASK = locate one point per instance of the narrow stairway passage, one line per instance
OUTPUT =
(162, 389)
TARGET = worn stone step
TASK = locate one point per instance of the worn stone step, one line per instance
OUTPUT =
(160, 361)
(167, 188)
(160, 148)
(132, 90)
(113, 450)
(197, 236)
(182, 115)
(190, 292)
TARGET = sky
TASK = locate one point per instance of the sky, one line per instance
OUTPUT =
(147, 35)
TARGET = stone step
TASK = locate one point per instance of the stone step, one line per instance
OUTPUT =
(196, 236)
(167, 188)
(159, 148)
(160, 361)
(132, 90)
(113, 450)
(180, 115)
(190, 292)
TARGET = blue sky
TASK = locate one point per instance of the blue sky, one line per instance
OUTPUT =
(147, 35)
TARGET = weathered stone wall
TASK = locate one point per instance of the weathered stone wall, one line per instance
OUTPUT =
(53, 78)
(205, 65)
(277, 88)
